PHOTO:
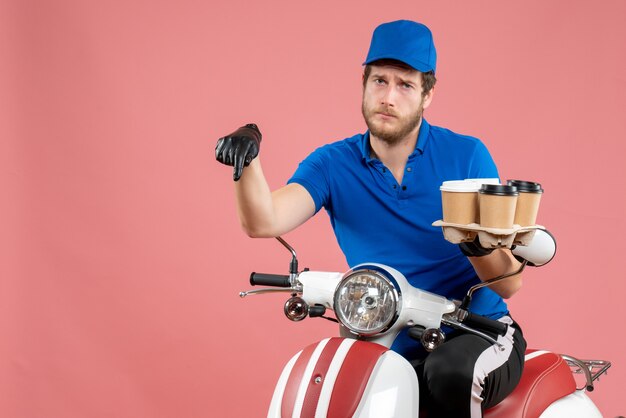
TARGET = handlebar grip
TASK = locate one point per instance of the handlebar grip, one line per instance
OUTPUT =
(485, 324)
(263, 279)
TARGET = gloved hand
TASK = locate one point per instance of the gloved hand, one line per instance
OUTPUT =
(239, 148)
(474, 249)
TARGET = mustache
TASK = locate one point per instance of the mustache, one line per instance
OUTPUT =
(384, 109)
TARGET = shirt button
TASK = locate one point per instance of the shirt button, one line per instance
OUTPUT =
(408, 169)
(395, 187)
(403, 187)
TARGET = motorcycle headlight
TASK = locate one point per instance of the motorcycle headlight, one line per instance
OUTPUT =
(366, 301)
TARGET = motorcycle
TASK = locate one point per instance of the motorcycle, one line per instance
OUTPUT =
(357, 375)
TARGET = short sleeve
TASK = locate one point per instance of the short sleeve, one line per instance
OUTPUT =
(482, 165)
(312, 174)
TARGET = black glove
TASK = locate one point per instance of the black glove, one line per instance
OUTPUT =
(239, 148)
(474, 249)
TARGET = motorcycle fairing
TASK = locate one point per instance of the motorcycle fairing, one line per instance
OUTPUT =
(339, 378)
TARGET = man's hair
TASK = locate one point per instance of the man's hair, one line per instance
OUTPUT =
(428, 79)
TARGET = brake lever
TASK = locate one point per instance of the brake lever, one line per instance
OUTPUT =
(268, 290)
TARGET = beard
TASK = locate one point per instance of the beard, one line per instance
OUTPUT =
(403, 125)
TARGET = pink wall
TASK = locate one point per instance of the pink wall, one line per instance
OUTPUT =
(121, 254)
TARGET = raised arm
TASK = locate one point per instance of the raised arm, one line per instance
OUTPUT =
(262, 213)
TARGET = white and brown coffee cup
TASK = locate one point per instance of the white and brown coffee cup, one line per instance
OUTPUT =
(459, 201)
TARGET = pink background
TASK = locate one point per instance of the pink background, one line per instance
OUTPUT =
(121, 252)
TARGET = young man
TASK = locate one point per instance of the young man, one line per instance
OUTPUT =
(381, 191)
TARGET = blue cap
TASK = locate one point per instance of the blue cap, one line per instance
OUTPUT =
(405, 41)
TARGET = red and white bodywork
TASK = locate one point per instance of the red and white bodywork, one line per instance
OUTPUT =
(547, 389)
(341, 377)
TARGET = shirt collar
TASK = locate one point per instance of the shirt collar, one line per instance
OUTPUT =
(422, 139)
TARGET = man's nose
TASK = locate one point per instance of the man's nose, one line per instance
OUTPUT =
(388, 97)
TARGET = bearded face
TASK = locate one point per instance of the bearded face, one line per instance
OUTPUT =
(387, 124)
(392, 102)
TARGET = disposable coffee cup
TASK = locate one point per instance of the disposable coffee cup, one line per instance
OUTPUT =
(497, 205)
(527, 202)
(459, 201)
(481, 181)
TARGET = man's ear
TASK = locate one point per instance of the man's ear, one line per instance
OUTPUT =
(428, 98)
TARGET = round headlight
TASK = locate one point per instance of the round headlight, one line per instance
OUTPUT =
(366, 302)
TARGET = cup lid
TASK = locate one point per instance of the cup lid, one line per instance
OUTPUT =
(459, 186)
(526, 186)
(499, 189)
(481, 181)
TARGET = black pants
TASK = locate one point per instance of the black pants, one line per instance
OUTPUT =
(468, 374)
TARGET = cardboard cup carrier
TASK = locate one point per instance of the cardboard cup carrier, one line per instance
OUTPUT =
(497, 205)
(527, 201)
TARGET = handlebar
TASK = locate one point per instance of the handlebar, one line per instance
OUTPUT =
(264, 279)
(485, 324)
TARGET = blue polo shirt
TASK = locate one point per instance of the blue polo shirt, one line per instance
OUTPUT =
(375, 219)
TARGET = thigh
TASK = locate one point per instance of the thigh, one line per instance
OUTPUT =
(468, 373)
(501, 377)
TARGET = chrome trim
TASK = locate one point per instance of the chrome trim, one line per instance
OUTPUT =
(288, 305)
(386, 275)
(439, 338)
(287, 246)
(268, 290)
(586, 367)
(293, 275)
(489, 282)
(382, 274)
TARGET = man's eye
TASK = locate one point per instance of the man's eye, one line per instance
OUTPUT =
(407, 86)
(379, 81)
